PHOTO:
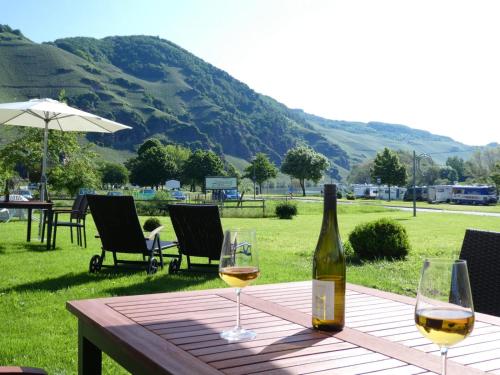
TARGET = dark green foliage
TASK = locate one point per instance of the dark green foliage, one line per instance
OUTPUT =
(151, 224)
(126, 84)
(114, 174)
(350, 196)
(304, 163)
(339, 194)
(389, 169)
(261, 169)
(458, 164)
(153, 165)
(383, 238)
(286, 210)
(199, 165)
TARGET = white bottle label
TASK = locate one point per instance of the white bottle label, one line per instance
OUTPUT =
(323, 299)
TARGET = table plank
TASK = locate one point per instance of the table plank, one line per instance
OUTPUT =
(184, 327)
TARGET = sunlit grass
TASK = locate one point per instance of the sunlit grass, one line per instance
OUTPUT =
(35, 283)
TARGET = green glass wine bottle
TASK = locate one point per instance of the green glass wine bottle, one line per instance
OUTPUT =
(329, 270)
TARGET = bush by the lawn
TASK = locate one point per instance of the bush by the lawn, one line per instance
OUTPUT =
(151, 224)
(286, 210)
(383, 238)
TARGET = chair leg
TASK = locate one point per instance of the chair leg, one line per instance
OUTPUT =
(71, 233)
(84, 235)
(54, 235)
(78, 236)
(44, 223)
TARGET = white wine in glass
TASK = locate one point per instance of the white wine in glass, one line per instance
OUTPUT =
(238, 267)
(444, 312)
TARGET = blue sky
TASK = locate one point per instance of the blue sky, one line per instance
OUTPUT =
(428, 64)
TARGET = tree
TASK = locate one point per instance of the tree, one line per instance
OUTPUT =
(360, 173)
(179, 155)
(389, 169)
(458, 164)
(114, 174)
(201, 164)
(303, 163)
(261, 169)
(153, 165)
(495, 176)
(70, 166)
(449, 174)
(77, 171)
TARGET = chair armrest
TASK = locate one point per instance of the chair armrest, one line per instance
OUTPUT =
(153, 234)
(64, 210)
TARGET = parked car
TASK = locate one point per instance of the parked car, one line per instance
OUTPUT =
(25, 193)
(146, 194)
(231, 194)
(179, 195)
(114, 193)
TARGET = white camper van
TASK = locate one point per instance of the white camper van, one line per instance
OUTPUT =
(439, 193)
(365, 191)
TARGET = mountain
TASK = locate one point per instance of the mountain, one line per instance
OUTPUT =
(164, 91)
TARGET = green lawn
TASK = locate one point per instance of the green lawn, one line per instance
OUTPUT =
(35, 283)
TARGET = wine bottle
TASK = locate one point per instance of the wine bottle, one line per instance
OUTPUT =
(328, 290)
(6, 193)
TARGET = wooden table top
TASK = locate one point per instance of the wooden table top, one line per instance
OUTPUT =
(26, 204)
(178, 333)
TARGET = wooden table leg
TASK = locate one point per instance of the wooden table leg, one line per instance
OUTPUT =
(89, 355)
(50, 218)
(28, 235)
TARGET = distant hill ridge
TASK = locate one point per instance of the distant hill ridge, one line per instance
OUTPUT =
(164, 91)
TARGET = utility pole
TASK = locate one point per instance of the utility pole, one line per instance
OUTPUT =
(415, 160)
(414, 182)
(253, 161)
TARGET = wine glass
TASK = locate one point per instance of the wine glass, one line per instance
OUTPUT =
(444, 312)
(238, 267)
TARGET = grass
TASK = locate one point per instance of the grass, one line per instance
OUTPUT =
(35, 283)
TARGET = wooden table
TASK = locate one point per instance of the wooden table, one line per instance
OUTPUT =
(30, 206)
(178, 333)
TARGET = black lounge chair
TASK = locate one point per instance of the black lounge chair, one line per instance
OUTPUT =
(77, 215)
(199, 234)
(120, 232)
(481, 250)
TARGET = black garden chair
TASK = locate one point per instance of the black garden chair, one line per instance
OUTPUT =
(120, 232)
(77, 215)
(481, 250)
(199, 234)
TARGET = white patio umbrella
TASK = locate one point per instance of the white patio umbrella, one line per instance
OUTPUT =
(51, 114)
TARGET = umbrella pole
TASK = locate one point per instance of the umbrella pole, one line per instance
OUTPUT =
(44, 160)
(43, 186)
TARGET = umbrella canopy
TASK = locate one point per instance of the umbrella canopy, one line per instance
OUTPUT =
(51, 114)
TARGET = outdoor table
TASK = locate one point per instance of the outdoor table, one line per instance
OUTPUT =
(30, 206)
(178, 333)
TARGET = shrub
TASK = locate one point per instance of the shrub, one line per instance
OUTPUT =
(339, 194)
(286, 210)
(151, 224)
(350, 196)
(383, 238)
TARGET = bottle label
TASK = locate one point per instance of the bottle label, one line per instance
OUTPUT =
(323, 303)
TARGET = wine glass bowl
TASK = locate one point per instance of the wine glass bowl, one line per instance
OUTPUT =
(444, 312)
(238, 267)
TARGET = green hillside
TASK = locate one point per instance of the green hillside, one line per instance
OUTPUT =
(163, 91)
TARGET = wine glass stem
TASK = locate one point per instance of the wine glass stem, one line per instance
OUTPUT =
(238, 291)
(444, 352)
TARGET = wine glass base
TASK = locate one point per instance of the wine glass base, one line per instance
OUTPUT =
(238, 334)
